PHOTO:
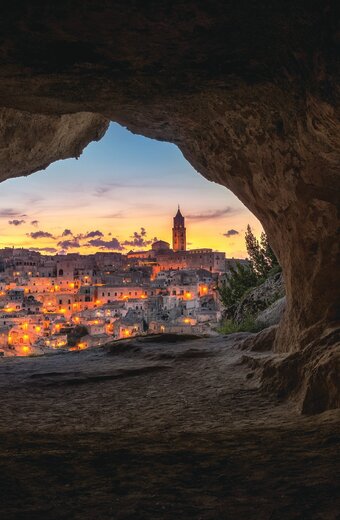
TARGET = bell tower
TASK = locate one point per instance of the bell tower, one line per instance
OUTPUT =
(179, 241)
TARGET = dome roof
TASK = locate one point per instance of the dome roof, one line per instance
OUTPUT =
(160, 244)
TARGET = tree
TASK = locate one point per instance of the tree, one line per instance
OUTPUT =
(261, 255)
(241, 278)
(262, 263)
(269, 253)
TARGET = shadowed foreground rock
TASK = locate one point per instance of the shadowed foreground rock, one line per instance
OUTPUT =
(249, 91)
(160, 431)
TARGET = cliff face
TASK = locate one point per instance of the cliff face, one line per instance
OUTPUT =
(250, 94)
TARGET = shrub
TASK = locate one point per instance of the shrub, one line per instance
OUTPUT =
(262, 263)
(261, 255)
(241, 278)
(249, 324)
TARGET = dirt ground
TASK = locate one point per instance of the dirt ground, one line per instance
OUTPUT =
(149, 430)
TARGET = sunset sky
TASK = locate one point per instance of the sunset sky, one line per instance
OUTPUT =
(121, 193)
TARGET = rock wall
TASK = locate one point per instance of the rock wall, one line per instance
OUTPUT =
(260, 298)
(31, 142)
(249, 91)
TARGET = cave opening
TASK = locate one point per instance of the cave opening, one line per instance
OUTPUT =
(220, 427)
(88, 243)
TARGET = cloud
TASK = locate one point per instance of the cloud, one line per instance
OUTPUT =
(40, 234)
(138, 239)
(16, 222)
(66, 233)
(34, 199)
(34, 223)
(210, 215)
(11, 213)
(101, 191)
(118, 214)
(93, 234)
(113, 244)
(88, 234)
(69, 244)
(45, 249)
(230, 233)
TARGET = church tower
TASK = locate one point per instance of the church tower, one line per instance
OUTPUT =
(179, 240)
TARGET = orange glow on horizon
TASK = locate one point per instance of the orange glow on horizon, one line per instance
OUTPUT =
(200, 234)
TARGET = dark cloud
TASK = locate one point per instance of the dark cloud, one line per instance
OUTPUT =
(11, 213)
(44, 249)
(16, 222)
(66, 233)
(210, 215)
(34, 223)
(230, 233)
(88, 235)
(113, 244)
(93, 234)
(40, 234)
(69, 244)
(138, 239)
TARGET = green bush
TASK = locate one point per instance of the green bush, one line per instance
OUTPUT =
(242, 278)
(261, 255)
(247, 325)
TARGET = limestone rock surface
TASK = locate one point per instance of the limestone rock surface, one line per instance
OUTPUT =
(261, 341)
(31, 142)
(260, 298)
(273, 314)
(310, 376)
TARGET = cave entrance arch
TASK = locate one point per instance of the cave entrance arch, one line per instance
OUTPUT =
(249, 93)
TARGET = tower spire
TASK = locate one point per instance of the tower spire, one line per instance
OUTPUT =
(179, 232)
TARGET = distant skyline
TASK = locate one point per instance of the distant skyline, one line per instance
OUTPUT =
(121, 194)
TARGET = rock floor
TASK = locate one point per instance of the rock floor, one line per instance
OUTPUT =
(159, 431)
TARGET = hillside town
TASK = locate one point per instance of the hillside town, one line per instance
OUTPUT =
(73, 301)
